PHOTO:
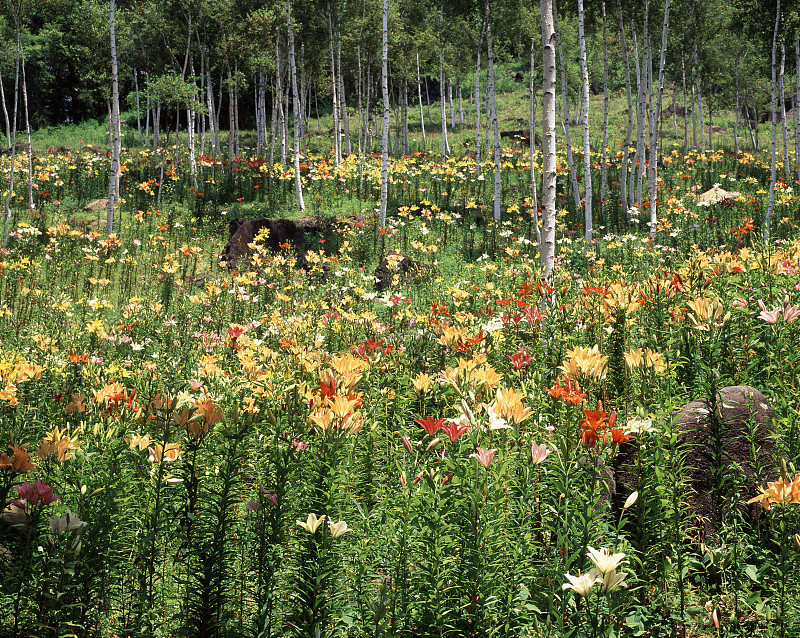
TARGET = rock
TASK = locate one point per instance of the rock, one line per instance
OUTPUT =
(718, 130)
(18, 148)
(396, 263)
(283, 233)
(716, 194)
(96, 206)
(522, 136)
(742, 413)
(674, 110)
(92, 148)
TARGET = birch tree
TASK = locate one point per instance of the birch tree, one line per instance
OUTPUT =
(386, 114)
(587, 151)
(113, 173)
(655, 120)
(548, 244)
(296, 113)
(498, 192)
(774, 107)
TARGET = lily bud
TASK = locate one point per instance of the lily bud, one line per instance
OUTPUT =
(630, 500)
(407, 445)
(433, 444)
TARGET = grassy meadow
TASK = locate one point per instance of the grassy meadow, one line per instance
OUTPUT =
(283, 450)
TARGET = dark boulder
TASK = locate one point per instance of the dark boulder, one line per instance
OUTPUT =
(405, 267)
(719, 455)
(283, 233)
(674, 110)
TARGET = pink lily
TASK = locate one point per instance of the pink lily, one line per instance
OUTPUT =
(539, 453)
(484, 457)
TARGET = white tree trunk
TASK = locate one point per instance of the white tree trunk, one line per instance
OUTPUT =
(443, 102)
(656, 119)
(28, 137)
(532, 147)
(623, 173)
(296, 111)
(773, 167)
(587, 151)
(565, 121)
(421, 110)
(604, 149)
(498, 192)
(337, 138)
(796, 109)
(386, 114)
(786, 166)
(548, 245)
(113, 173)
(12, 143)
(478, 102)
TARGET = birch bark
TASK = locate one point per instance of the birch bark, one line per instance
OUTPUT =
(773, 167)
(548, 244)
(386, 114)
(296, 111)
(112, 180)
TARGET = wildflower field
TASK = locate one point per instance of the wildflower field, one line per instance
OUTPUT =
(283, 449)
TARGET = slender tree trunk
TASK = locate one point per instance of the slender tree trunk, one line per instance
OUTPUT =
(113, 173)
(460, 105)
(576, 191)
(685, 112)
(656, 123)
(231, 116)
(450, 100)
(638, 160)
(138, 107)
(532, 147)
(212, 120)
(587, 151)
(443, 99)
(273, 125)
(478, 101)
(337, 139)
(787, 169)
(498, 192)
(385, 138)
(773, 165)
(13, 145)
(279, 98)
(604, 151)
(298, 181)
(28, 133)
(623, 174)
(736, 121)
(421, 110)
(238, 137)
(5, 114)
(342, 97)
(548, 243)
(795, 110)
(404, 116)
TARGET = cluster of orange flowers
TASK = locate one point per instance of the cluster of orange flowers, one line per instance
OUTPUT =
(334, 406)
(780, 492)
(570, 392)
(599, 426)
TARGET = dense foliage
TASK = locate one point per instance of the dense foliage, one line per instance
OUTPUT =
(284, 450)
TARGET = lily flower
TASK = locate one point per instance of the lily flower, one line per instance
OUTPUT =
(337, 529)
(312, 523)
(539, 453)
(582, 584)
(484, 457)
(604, 560)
